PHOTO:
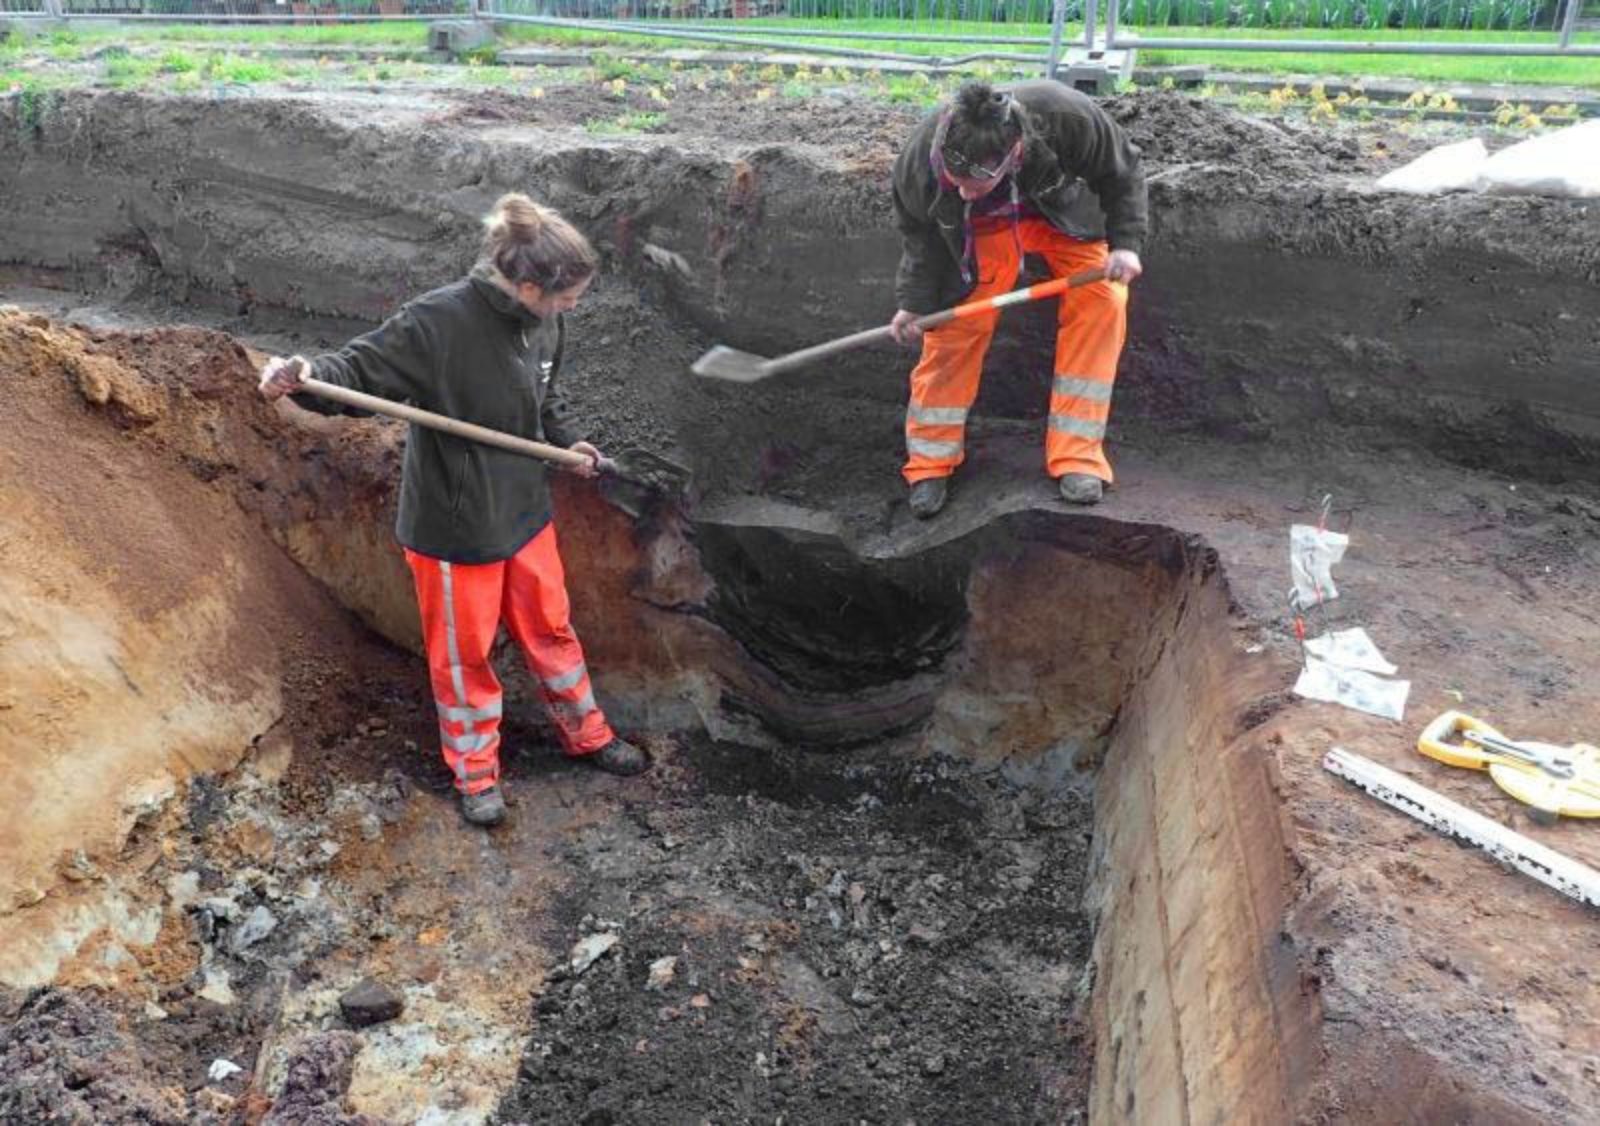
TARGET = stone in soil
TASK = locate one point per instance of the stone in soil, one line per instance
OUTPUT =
(370, 1002)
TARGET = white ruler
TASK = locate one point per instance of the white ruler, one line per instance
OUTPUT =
(1543, 864)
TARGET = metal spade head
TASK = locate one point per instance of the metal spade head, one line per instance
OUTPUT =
(636, 477)
(733, 365)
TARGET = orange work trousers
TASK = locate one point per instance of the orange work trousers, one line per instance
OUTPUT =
(462, 608)
(1092, 323)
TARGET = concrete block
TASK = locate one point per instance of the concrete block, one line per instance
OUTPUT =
(458, 37)
(1095, 71)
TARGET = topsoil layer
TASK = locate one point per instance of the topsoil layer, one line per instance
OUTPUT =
(1285, 300)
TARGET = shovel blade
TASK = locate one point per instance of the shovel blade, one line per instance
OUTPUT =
(653, 471)
(732, 365)
(638, 481)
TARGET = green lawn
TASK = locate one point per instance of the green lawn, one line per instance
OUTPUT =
(1557, 71)
(1433, 68)
(408, 35)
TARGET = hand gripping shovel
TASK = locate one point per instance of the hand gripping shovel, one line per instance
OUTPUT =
(745, 367)
(635, 467)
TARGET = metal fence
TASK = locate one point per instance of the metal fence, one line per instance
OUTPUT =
(1031, 31)
(1559, 18)
(1097, 25)
(242, 11)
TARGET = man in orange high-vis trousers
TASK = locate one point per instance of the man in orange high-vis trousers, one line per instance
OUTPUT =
(983, 181)
(476, 522)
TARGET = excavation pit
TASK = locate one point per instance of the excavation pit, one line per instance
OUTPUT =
(1009, 816)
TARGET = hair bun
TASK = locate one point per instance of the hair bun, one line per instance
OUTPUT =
(527, 241)
(515, 217)
(981, 104)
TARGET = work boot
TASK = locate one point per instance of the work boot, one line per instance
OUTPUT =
(1081, 488)
(619, 757)
(486, 807)
(928, 496)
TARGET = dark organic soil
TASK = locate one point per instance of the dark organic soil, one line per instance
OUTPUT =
(318, 1077)
(855, 939)
(65, 1059)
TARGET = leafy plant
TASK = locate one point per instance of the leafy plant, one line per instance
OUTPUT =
(626, 123)
(125, 70)
(491, 75)
(177, 61)
(231, 68)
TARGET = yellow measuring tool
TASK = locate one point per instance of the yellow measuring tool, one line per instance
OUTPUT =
(1562, 781)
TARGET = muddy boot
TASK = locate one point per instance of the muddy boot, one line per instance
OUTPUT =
(619, 757)
(928, 496)
(1081, 488)
(486, 807)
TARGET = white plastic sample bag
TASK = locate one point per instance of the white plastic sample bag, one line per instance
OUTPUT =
(1353, 688)
(1449, 168)
(1312, 552)
(1563, 163)
(1350, 649)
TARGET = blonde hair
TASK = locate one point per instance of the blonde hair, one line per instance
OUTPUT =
(528, 242)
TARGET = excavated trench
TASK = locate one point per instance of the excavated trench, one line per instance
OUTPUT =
(885, 787)
(949, 821)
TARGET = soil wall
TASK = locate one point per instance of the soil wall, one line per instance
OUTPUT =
(1285, 300)
(1200, 1013)
(148, 624)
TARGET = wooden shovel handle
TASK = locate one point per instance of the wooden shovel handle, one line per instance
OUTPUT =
(933, 320)
(1015, 297)
(470, 431)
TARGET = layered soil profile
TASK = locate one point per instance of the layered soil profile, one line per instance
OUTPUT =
(733, 628)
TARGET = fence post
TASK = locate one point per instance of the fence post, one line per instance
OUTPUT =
(1057, 17)
(52, 8)
(1574, 7)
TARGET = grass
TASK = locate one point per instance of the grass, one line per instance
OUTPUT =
(389, 33)
(1482, 69)
(1428, 68)
(407, 38)
(491, 75)
(190, 72)
(752, 27)
(176, 61)
(124, 70)
(625, 123)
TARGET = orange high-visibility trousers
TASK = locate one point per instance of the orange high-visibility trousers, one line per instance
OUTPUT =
(462, 608)
(1092, 323)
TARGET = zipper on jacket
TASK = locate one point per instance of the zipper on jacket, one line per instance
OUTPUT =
(461, 482)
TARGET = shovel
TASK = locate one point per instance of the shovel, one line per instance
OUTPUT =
(745, 367)
(636, 467)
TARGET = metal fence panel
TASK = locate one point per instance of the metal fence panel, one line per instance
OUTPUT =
(242, 11)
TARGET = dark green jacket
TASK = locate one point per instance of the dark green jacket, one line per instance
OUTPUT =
(469, 351)
(1084, 176)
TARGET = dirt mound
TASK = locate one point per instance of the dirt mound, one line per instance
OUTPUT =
(847, 125)
(1172, 130)
(151, 626)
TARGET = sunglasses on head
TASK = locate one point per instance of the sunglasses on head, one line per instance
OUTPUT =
(967, 169)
